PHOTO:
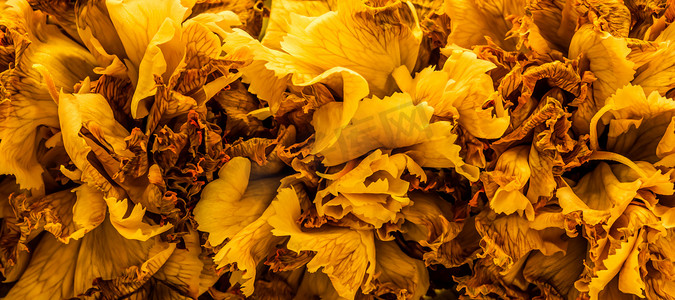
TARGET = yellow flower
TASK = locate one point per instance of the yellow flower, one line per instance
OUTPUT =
(505, 185)
(474, 20)
(234, 209)
(638, 126)
(347, 256)
(156, 38)
(352, 50)
(390, 123)
(25, 102)
(459, 92)
(371, 191)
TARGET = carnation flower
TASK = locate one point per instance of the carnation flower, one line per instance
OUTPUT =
(359, 149)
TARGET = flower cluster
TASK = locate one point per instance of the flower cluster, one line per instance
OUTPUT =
(352, 149)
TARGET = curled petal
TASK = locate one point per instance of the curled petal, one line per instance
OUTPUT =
(103, 253)
(474, 20)
(372, 191)
(505, 184)
(26, 102)
(346, 256)
(606, 58)
(459, 91)
(506, 239)
(132, 226)
(405, 277)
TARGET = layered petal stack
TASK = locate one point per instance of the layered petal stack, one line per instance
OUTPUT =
(323, 149)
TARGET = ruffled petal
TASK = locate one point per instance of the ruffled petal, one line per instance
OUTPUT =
(132, 226)
(282, 13)
(233, 191)
(635, 123)
(346, 256)
(389, 123)
(474, 20)
(248, 235)
(399, 274)
(430, 222)
(389, 35)
(372, 191)
(25, 100)
(606, 57)
(67, 270)
(459, 91)
(505, 184)
(506, 239)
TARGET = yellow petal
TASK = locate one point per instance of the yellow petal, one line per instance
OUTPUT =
(26, 104)
(635, 124)
(232, 192)
(282, 13)
(8, 186)
(613, 264)
(432, 215)
(316, 285)
(271, 70)
(77, 111)
(405, 277)
(372, 191)
(349, 39)
(507, 239)
(557, 272)
(350, 72)
(97, 32)
(66, 270)
(346, 256)
(164, 54)
(249, 235)
(473, 20)
(132, 227)
(87, 212)
(607, 58)
(128, 16)
(505, 184)
(391, 122)
(599, 195)
(154, 50)
(440, 151)
(183, 269)
(248, 248)
(459, 91)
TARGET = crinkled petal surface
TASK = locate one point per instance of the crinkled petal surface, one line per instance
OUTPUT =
(25, 102)
(346, 256)
(67, 270)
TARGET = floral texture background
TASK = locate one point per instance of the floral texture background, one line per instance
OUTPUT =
(325, 149)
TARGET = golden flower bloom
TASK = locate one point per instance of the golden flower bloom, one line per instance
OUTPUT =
(358, 149)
